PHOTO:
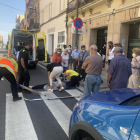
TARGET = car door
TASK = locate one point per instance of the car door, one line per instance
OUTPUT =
(135, 133)
(41, 47)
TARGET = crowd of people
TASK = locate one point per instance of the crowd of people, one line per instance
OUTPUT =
(70, 66)
(87, 66)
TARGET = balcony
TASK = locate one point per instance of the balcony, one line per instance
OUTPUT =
(31, 3)
(32, 15)
(73, 3)
(33, 26)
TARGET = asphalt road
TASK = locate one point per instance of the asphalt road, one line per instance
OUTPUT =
(38, 120)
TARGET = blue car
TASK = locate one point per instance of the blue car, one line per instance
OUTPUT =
(109, 115)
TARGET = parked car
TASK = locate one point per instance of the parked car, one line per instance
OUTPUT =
(110, 115)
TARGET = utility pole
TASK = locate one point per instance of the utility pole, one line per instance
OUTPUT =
(36, 19)
(77, 5)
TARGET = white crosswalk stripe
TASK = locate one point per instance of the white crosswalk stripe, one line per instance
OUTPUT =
(60, 111)
(74, 92)
(18, 122)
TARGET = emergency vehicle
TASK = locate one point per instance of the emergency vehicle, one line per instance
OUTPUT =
(18, 40)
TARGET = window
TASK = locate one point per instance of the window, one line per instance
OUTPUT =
(50, 11)
(25, 16)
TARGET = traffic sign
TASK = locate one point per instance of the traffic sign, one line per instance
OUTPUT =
(78, 23)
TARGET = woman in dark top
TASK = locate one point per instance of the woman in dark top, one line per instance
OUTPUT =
(54, 70)
(70, 57)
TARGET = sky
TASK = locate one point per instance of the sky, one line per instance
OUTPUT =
(8, 16)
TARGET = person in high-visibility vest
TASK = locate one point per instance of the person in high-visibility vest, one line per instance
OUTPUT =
(9, 69)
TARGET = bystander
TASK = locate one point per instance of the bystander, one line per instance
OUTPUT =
(119, 70)
(57, 58)
(75, 55)
(133, 80)
(110, 52)
(81, 58)
(70, 57)
(93, 67)
(65, 60)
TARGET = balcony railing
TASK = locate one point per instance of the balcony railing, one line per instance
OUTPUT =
(33, 26)
(31, 3)
(73, 4)
(32, 15)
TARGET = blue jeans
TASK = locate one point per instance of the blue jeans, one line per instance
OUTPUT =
(64, 69)
(92, 84)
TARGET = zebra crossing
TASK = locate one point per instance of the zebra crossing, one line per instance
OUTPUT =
(24, 120)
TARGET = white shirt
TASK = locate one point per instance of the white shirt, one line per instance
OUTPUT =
(65, 58)
(111, 53)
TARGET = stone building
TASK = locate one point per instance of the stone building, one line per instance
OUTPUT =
(32, 15)
(53, 22)
(20, 22)
(1, 38)
(106, 20)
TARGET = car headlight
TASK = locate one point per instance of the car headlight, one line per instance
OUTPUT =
(76, 105)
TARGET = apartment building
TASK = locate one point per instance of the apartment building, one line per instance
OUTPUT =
(20, 22)
(53, 22)
(106, 20)
(32, 15)
(1, 38)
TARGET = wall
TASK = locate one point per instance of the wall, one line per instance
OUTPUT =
(52, 26)
(117, 21)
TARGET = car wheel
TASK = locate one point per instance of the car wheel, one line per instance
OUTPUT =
(88, 138)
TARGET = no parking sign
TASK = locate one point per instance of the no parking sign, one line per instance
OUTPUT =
(78, 23)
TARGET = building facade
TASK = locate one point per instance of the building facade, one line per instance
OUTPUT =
(20, 22)
(1, 39)
(32, 15)
(106, 20)
(53, 22)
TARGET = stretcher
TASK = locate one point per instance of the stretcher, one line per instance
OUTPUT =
(56, 98)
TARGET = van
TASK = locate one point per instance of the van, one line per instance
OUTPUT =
(18, 40)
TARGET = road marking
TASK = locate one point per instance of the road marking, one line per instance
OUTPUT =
(59, 110)
(18, 122)
(42, 66)
(74, 92)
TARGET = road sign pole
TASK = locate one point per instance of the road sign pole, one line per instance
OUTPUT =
(76, 17)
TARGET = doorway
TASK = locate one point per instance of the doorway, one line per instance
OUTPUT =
(51, 44)
(101, 38)
(134, 39)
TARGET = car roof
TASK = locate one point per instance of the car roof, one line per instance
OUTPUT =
(114, 96)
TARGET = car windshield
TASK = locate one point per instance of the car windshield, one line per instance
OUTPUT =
(134, 101)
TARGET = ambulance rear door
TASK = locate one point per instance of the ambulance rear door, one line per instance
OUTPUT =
(41, 47)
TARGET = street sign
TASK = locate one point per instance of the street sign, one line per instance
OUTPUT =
(80, 31)
(78, 23)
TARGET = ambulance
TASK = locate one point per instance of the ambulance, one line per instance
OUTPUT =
(37, 53)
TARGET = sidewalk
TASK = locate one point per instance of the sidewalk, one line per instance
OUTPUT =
(103, 75)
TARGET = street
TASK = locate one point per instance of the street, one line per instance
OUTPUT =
(48, 119)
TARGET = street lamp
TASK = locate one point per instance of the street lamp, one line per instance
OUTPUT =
(30, 8)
